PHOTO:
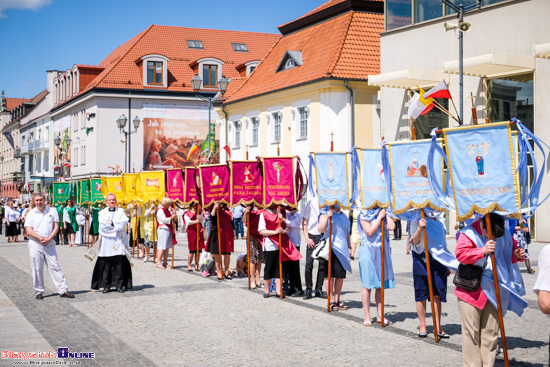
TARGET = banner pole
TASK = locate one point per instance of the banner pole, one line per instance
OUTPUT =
(198, 238)
(280, 257)
(248, 238)
(134, 230)
(474, 112)
(497, 292)
(329, 278)
(173, 226)
(429, 274)
(382, 277)
(219, 240)
(154, 235)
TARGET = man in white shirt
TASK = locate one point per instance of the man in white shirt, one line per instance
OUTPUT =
(310, 220)
(42, 224)
(542, 285)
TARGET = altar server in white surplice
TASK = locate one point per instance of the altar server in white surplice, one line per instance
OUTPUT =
(112, 269)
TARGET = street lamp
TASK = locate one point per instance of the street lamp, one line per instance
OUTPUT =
(121, 124)
(462, 27)
(196, 83)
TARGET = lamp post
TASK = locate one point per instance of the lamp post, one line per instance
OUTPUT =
(121, 124)
(196, 83)
(462, 27)
(62, 150)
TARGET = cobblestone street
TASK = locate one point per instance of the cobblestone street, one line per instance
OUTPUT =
(178, 318)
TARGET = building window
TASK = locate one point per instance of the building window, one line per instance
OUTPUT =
(46, 135)
(38, 160)
(240, 47)
(194, 44)
(237, 144)
(154, 72)
(277, 119)
(83, 155)
(512, 97)
(75, 160)
(304, 119)
(435, 118)
(46, 161)
(255, 131)
(210, 75)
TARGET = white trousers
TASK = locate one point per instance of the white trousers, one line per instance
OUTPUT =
(40, 254)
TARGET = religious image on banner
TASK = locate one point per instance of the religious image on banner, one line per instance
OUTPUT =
(279, 185)
(152, 186)
(96, 192)
(482, 165)
(177, 137)
(191, 186)
(129, 181)
(113, 185)
(174, 184)
(246, 183)
(60, 192)
(215, 184)
(409, 175)
(374, 192)
(332, 179)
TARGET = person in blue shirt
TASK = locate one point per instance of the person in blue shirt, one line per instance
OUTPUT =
(238, 221)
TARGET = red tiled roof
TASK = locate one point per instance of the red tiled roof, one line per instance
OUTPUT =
(318, 9)
(122, 72)
(11, 103)
(347, 46)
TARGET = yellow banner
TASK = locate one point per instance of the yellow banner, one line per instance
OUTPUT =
(114, 185)
(129, 180)
(152, 185)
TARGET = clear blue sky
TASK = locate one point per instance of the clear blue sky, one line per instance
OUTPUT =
(39, 35)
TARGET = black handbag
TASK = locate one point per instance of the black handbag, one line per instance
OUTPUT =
(468, 276)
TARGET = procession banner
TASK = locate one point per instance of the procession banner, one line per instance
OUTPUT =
(279, 185)
(61, 192)
(96, 192)
(374, 192)
(152, 186)
(114, 185)
(215, 184)
(331, 171)
(246, 183)
(515, 146)
(191, 190)
(482, 167)
(170, 133)
(174, 185)
(129, 181)
(84, 195)
(409, 176)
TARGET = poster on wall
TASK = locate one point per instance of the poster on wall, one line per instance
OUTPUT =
(62, 155)
(177, 137)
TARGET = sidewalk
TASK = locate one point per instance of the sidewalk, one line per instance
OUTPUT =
(174, 318)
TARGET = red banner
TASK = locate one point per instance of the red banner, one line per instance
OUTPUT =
(246, 183)
(190, 182)
(215, 184)
(279, 185)
(174, 185)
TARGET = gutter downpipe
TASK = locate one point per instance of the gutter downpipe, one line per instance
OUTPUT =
(226, 132)
(352, 105)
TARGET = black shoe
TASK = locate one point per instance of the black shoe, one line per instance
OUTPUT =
(39, 296)
(422, 335)
(279, 296)
(321, 294)
(308, 295)
(105, 290)
(443, 336)
(121, 289)
(67, 294)
(266, 295)
(298, 294)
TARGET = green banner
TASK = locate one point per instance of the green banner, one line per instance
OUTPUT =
(61, 192)
(95, 190)
(84, 194)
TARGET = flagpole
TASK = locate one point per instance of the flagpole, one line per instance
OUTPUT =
(429, 273)
(248, 237)
(382, 245)
(219, 239)
(280, 256)
(198, 237)
(173, 227)
(329, 277)
(444, 110)
(154, 235)
(474, 112)
(413, 130)
(497, 292)
(134, 229)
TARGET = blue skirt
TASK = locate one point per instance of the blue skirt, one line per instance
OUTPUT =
(367, 271)
(439, 278)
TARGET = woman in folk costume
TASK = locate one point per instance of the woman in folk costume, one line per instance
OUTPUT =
(478, 309)
(268, 226)
(165, 232)
(370, 259)
(112, 269)
(192, 219)
(70, 224)
(441, 264)
(227, 238)
(256, 239)
(340, 257)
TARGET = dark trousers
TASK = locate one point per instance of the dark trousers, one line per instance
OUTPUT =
(292, 268)
(397, 230)
(238, 227)
(309, 267)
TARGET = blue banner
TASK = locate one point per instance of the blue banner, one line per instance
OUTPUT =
(332, 179)
(374, 191)
(409, 175)
(482, 165)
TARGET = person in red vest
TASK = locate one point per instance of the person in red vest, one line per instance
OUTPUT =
(192, 220)
(227, 237)
(256, 251)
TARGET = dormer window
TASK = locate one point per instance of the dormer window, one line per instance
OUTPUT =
(240, 47)
(291, 59)
(209, 70)
(195, 44)
(155, 71)
(290, 63)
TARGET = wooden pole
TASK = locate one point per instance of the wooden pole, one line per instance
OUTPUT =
(329, 278)
(154, 235)
(382, 245)
(198, 238)
(248, 238)
(487, 120)
(280, 257)
(429, 273)
(174, 227)
(413, 130)
(444, 110)
(134, 230)
(497, 292)
(474, 112)
(62, 225)
(219, 239)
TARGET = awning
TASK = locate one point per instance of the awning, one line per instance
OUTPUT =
(408, 78)
(493, 65)
(542, 50)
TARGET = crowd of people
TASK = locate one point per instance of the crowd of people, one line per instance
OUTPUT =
(275, 241)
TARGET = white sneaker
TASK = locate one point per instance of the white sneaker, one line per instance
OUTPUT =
(145, 260)
(252, 285)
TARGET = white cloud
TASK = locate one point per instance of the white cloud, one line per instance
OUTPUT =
(21, 4)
